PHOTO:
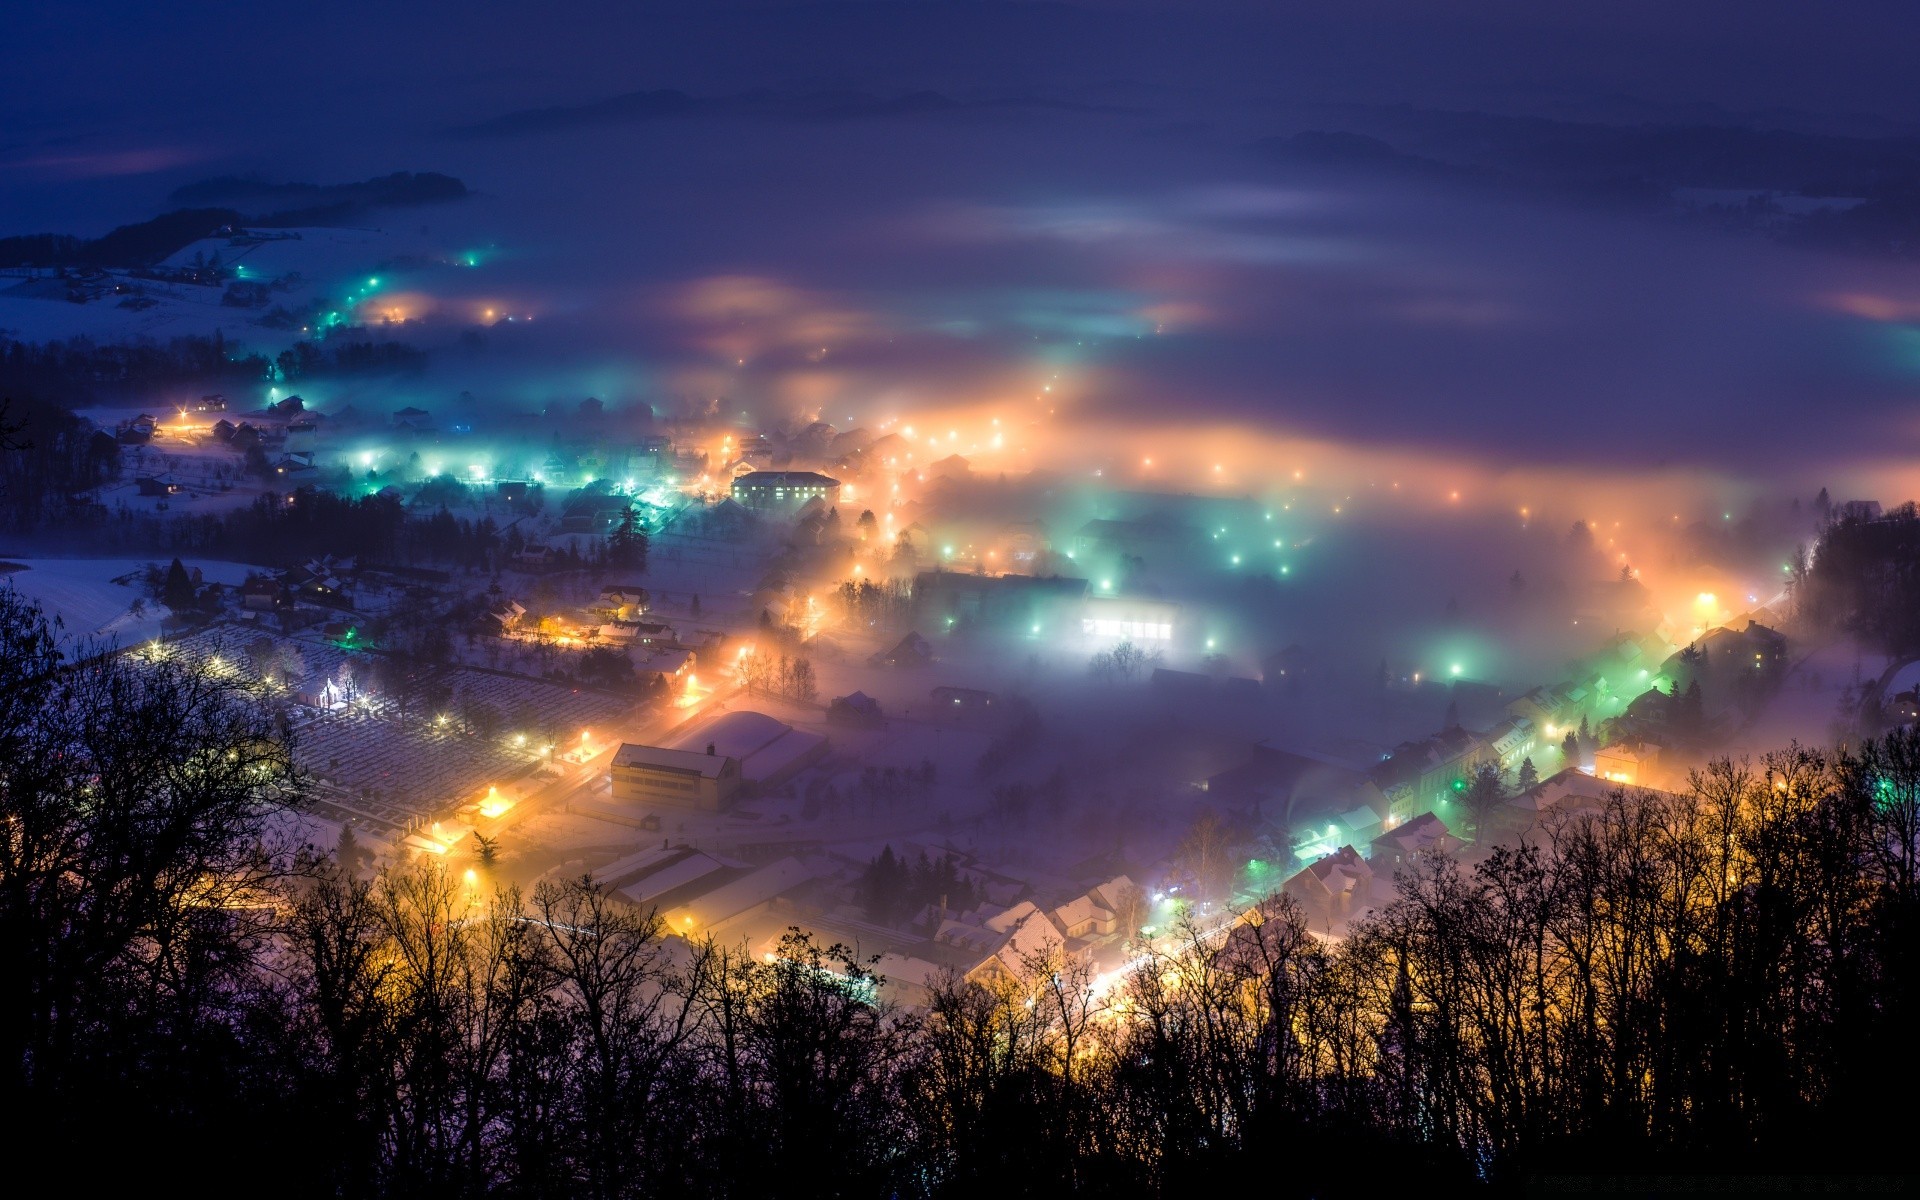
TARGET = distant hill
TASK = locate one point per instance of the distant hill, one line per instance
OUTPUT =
(760, 104)
(138, 245)
(277, 205)
(398, 190)
(1860, 194)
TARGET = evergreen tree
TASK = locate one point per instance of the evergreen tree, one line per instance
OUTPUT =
(627, 544)
(1529, 775)
(1570, 748)
(1484, 794)
(177, 592)
(348, 852)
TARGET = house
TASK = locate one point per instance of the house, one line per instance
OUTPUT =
(156, 485)
(815, 528)
(506, 617)
(1566, 793)
(262, 593)
(650, 456)
(1732, 667)
(223, 429)
(413, 420)
(592, 512)
(1627, 762)
(623, 601)
(953, 466)
(910, 651)
(1097, 913)
(1014, 942)
(784, 490)
(648, 633)
(1285, 669)
(1552, 710)
(670, 665)
(323, 692)
(1406, 844)
(1333, 888)
(851, 442)
(533, 557)
(1025, 541)
(319, 580)
(681, 778)
(214, 403)
(858, 708)
(963, 701)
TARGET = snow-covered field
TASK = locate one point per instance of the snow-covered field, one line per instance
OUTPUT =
(95, 598)
(315, 264)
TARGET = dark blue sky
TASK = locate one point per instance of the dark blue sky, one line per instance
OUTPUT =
(1095, 174)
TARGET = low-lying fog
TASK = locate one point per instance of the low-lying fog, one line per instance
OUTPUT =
(1094, 276)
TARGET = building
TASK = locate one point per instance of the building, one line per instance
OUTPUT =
(263, 594)
(415, 420)
(911, 651)
(681, 778)
(1021, 605)
(1334, 888)
(592, 512)
(1295, 790)
(1420, 775)
(1626, 762)
(777, 490)
(1129, 618)
(652, 455)
(857, 708)
(1513, 741)
(623, 602)
(963, 700)
(769, 751)
(1404, 845)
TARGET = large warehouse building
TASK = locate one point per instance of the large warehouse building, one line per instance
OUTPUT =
(682, 778)
(784, 490)
(769, 751)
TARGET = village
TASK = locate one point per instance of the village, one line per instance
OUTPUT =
(747, 680)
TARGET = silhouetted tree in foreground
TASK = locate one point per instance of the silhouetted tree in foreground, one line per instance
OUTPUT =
(1722, 979)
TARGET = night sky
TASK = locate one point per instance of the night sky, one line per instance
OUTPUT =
(958, 200)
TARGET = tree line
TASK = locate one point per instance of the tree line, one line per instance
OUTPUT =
(1721, 979)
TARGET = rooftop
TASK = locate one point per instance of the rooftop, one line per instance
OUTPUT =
(799, 479)
(690, 761)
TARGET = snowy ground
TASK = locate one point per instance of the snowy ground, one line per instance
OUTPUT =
(315, 264)
(102, 598)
